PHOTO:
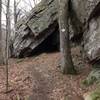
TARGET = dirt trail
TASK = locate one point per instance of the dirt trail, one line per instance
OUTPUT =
(48, 83)
(39, 78)
(51, 84)
(42, 87)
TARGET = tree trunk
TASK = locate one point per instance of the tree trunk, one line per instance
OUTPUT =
(1, 46)
(8, 27)
(15, 13)
(8, 30)
(67, 66)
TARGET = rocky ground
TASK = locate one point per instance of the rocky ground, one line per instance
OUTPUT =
(39, 78)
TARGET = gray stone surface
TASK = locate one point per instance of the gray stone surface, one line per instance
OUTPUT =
(42, 22)
(33, 30)
(92, 40)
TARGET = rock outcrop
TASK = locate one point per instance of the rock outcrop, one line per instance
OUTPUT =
(92, 36)
(42, 21)
(33, 30)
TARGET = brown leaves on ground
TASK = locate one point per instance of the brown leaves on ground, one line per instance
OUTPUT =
(39, 79)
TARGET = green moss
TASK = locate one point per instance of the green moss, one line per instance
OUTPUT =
(66, 98)
(26, 98)
(93, 77)
(96, 66)
(94, 95)
(19, 61)
(89, 81)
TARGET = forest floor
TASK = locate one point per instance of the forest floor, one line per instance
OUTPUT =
(39, 78)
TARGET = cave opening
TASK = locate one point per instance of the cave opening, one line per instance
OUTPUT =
(49, 45)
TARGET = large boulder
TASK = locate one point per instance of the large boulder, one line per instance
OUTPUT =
(33, 30)
(92, 36)
(42, 21)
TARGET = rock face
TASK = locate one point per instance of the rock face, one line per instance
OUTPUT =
(33, 30)
(92, 37)
(42, 22)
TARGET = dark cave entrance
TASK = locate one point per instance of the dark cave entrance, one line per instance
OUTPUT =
(49, 45)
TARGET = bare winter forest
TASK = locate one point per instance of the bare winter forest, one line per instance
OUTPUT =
(49, 49)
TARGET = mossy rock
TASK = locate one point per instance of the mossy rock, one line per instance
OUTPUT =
(95, 95)
(93, 77)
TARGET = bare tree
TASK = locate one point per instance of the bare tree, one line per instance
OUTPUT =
(34, 2)
(67, 66)
(15, 16)
(17, 11)
(8, 30)
(1, 46)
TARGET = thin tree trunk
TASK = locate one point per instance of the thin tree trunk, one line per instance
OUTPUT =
(7, 40)
(1, 44)
(15, 16)
(15, 13)
(67, 66)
